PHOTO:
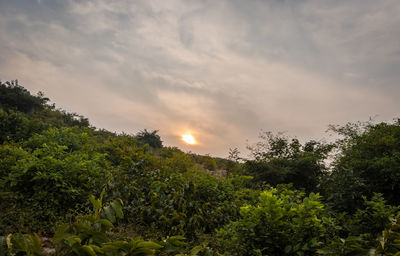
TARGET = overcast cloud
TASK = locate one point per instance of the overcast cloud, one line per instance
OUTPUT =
(222, 70)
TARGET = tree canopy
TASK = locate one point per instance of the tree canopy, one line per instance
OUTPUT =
(150, 138)
(278, 159)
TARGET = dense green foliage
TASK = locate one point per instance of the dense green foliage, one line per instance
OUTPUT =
(88, 236)
(283, 222)
(52, 162)
(150, 138)
(279, 160)
(372, 152)
(14, 96)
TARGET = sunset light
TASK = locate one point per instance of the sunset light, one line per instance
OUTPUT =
(189, 139)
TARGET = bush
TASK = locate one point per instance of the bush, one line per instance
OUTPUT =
(282, 223)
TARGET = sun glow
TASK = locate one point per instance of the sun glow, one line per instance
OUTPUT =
(189, 139)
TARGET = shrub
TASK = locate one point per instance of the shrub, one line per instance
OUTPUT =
(282, 223)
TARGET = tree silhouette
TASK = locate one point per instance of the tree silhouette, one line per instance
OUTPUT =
(150, 138)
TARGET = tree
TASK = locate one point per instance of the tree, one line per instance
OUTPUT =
(342, 190)
(234, 155)
(14, 96)
(372, 152)
(278, 159)
(210, 163)
(150, 138)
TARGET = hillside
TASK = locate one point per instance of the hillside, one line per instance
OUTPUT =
(117, 192)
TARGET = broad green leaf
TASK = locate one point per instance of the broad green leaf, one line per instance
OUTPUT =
(35, 240)
(105, 223)
(8, 241)
(96, 248)
(61, 232)
(109, 214)
(195, 250)
(109, 248)
(149, 245)
(72, 240)
(117, 209)
(95, 202)
(99, 238)
(125, 246)
(142, 251)
(89, 250)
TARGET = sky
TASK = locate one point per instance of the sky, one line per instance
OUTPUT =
(221, 70)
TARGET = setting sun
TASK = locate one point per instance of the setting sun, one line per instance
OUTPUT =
(189, 139)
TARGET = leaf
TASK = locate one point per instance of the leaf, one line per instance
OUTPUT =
(195, 250)
(82, 227)
(8, 241)
(35, 240)
(149, 245)
(18, 242)
(288, 249)
(99, 238)
(89, 250)
(114, 246)
(95, 202)
(72, 240)
(105, 223)
(109, 248)
(96, 248)
(142, 252)
(109, 214)
(61, 233)
(117, 209)
(177, 237)
(3, 245)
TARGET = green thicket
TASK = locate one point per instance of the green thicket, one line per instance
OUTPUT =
(289, 198)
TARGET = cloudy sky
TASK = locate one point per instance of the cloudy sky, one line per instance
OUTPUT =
(222, 70)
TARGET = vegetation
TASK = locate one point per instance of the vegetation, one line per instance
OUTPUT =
(280, 160)
(284, 221)
(67, 188)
